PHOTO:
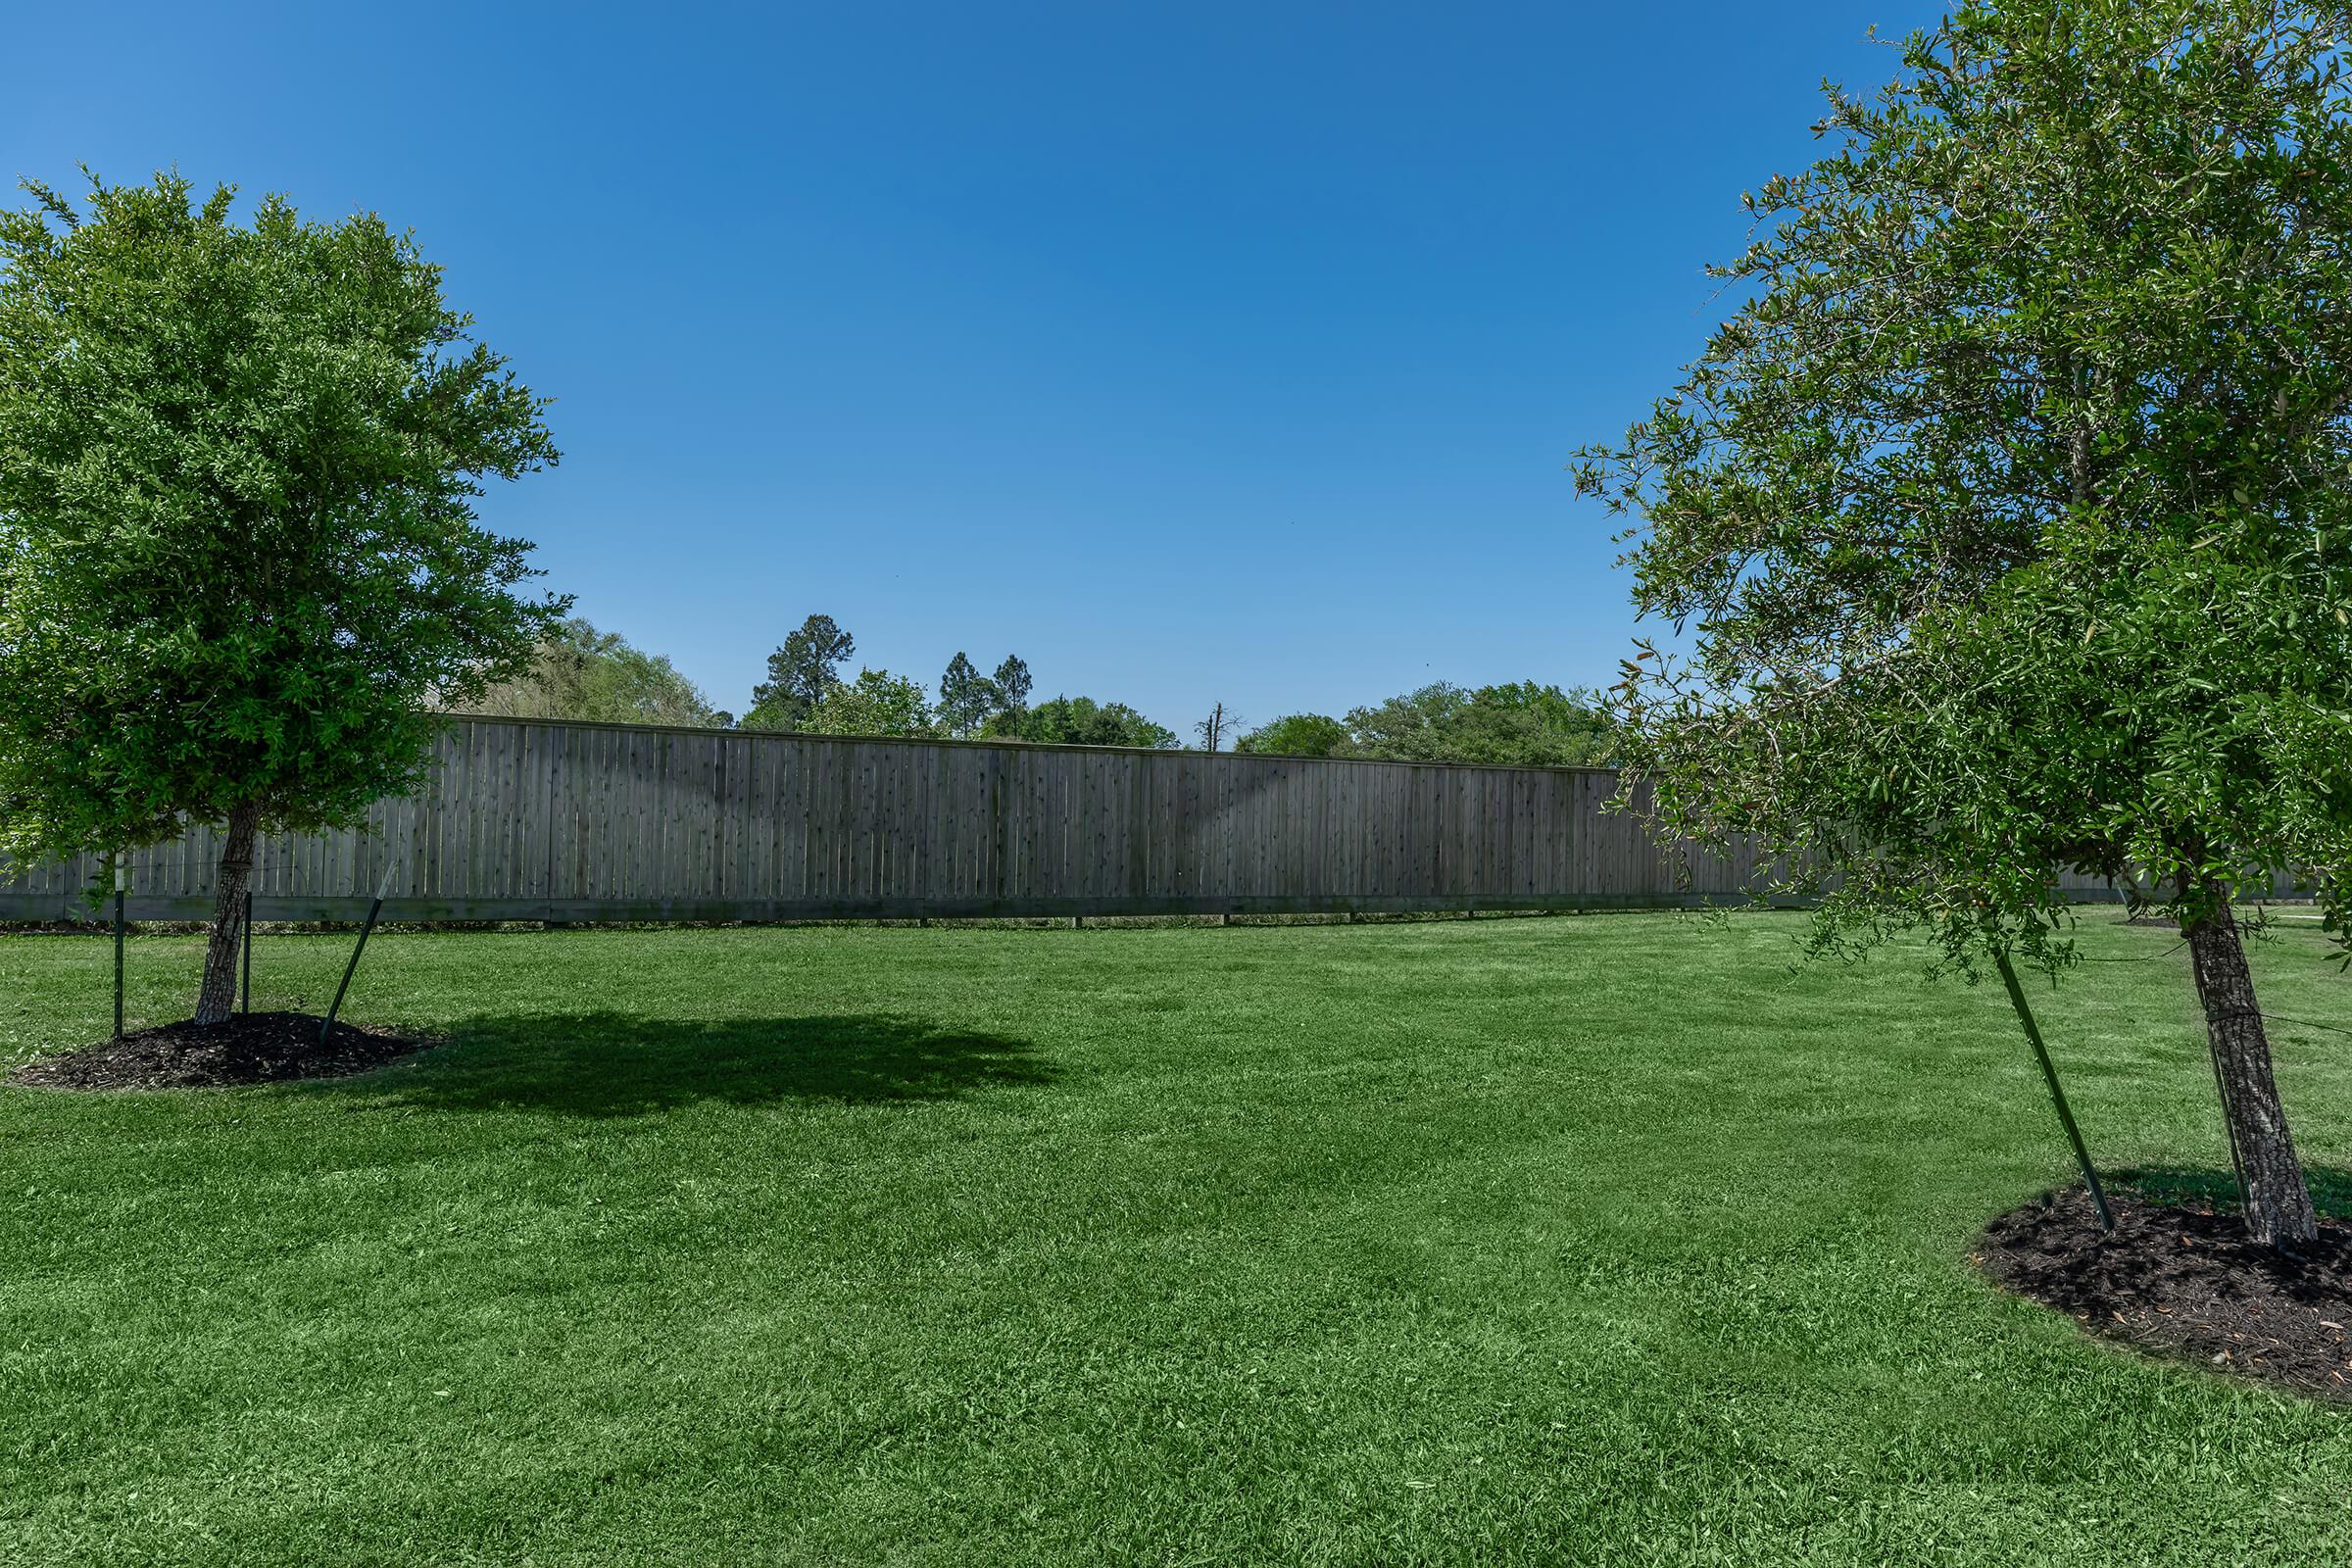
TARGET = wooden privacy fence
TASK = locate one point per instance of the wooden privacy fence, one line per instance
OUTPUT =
(524, 819)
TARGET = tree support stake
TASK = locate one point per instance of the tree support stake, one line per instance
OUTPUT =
(326, 1027)
(119, 879)
(2049, 1074)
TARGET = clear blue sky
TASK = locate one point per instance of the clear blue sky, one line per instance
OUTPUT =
(1193, 352)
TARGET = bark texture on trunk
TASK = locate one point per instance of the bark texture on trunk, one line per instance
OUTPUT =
(217, 998)
(2278, 1211)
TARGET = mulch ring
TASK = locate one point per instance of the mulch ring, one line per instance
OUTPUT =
(260, 1048)
(2180, 1280)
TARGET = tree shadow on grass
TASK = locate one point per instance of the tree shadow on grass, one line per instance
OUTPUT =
(622, 1065)
(2331, 1188)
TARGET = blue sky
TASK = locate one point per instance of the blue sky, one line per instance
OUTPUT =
(1195, 353)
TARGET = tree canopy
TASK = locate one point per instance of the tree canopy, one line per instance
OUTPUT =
(1080, 721)
(2008, 519)
(1011, 682)
(238, 552)
(581, 673)
(1524, 725)
(876, 703)
(970, 702)
(966, 697)
(1295, 735)
(799, 675)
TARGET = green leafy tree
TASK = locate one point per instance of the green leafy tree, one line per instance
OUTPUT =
(1295, 735)
(969, 702)
(1526, 724)
(800, 674)
(876, 703)
(1081, 722)
(966, 697)
(2010, 516)
(238, 552)
(581, 673)
(1013, 683)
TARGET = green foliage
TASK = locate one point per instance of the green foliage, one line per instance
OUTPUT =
(965, 697)
(238, 554)
(876, 703)
(968, 702)
(800, 674)
(1297, 735)
(2011, 514)
(581, 673)
(1011, 681)
(1522, 725)
(1080, 721)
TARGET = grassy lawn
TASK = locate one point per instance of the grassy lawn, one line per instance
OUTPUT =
(1582, 1240)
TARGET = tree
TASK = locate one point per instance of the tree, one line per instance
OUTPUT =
(1216, 728)
(2009, 516)
(1081, 722)
(800, 674)
(581, 673)
(1524, 726)
(969, 702)
(238, 554)
(1295, 735)
(1011, 681)
(876, 703)
(966, 697)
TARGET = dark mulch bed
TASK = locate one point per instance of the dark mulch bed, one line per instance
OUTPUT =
(2180, 1280)
(261, 1048)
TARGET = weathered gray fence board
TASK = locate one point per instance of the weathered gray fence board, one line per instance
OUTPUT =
(540, 820)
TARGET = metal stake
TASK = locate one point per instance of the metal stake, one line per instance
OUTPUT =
(118, 949)
(245, 1003)
(2049, 1073)
(376, 908)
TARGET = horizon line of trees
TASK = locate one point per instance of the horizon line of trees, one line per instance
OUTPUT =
(581, 673)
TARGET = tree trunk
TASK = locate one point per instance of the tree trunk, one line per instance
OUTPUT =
(217, 998)
(2278, 1211)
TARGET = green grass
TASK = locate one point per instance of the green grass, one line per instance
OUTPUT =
(1584, 1241)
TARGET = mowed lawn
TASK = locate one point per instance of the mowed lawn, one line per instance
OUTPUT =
(1601, 1240)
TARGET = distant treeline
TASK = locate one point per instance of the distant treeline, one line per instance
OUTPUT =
(1528, 724)
(584, 673)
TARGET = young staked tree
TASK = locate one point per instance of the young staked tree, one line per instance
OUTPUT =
(238, 555)
(2010, 519)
